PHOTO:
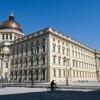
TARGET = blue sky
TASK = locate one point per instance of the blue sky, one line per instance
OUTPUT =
(79, 19)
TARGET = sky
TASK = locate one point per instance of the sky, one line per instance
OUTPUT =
(79, 19)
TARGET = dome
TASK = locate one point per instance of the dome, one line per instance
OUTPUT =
(11, 24)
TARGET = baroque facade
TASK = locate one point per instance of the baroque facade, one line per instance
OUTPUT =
(48, 55)
(10, 30)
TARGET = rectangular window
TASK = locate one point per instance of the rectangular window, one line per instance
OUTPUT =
(67, 62)
(21, 52)
(21, 63)
(58, 49)
(6, 65)
(10, 36)
(43, 48)
(31, 61)
(59, 60)
(26, 52)
(31, 50)
(13, 54)
(54, 47)
(37, 60)
(67, 51)
(64, 61)
(37, 49)
(26, 62)
(7, 36)
(63, 49)
(43, 60)
(59, 73)
(64, 72)
(17, 53)
(54, 72)
(6, 76)
(54, 60)
(2, 36)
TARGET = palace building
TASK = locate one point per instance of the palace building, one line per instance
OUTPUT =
(46, 55)
(10, 30)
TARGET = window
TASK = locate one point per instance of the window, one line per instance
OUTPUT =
(7, 36)
(37, 49)
(31, 61)
(54, 72)
(59, 60)
(22, 46)
(43, 48)
(59, 73)
(63, 49)
(58, 49)
(26, 52)
(53, 39)
(64, 72)
(26, 62)
(73, 73)
(54, 47)
(37, 46)
(43, 43)
(31, 50)
(2, 36)
(76, 63)
(6, 75)
(37, 61)
(6, 65)
(62, 43)
(67, 62)
(21, 52)
(16, 63)
(43, 40)
(31, 44)
(43, 74)
(43, 60)
(17, 53)
(21, 62)
(67, 51)
(72, 52)
(58, 41)
(13, 54)
(64, 61)
(54, 60)
(73, 63)
(26, 45)
(10, 36)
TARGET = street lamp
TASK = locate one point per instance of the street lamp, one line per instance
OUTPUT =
(66, 73)
(1, 70)
(2, 81)
(32, 81)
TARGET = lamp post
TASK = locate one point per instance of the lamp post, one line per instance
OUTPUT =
(66, 73)
(2, 81)
(32, 81)
(1, 70)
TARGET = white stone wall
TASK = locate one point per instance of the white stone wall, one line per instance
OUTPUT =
(6, 39)
(82, 66)
(74, 64)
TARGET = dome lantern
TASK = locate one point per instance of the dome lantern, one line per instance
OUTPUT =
(11, 24)
(11, 16)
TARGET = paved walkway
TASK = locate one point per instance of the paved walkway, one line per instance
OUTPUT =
(18, 90)
(42, 94)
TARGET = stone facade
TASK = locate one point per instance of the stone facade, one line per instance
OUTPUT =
(8, 34)
(48, 55)
(44, 56)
